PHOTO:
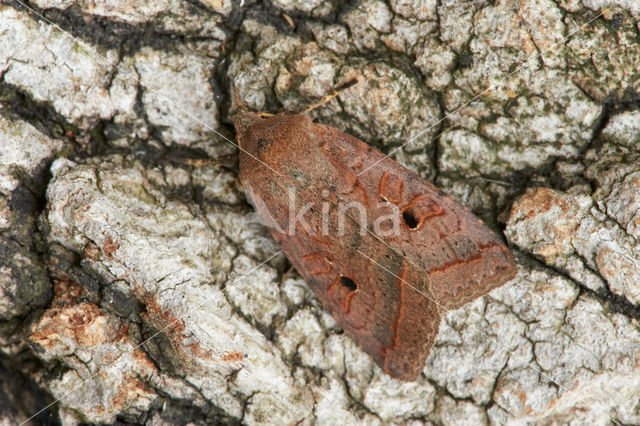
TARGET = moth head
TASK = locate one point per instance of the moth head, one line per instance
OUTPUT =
(243, 119)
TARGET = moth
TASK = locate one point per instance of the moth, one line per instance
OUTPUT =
(387, 287)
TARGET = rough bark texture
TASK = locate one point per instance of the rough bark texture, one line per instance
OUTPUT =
(132, 283)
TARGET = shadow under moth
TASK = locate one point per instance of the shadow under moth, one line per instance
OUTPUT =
(387, 290)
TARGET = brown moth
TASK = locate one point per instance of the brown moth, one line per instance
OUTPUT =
(387, 290)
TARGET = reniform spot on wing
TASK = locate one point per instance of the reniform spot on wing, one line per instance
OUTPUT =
(348, 283)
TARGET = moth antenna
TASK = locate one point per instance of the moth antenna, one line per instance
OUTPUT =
(331, 95)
